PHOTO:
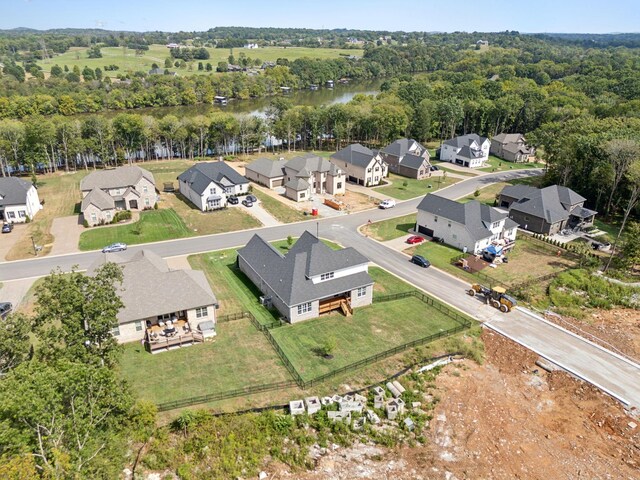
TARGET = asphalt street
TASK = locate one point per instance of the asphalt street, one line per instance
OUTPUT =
(608, 371)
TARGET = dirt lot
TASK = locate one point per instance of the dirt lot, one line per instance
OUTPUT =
(507, 419)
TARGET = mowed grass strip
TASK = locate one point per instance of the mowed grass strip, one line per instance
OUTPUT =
(390, 229)
(414, 188)
(278, 209)
(495, 164)
(239, 357)
(371, 330)
(153, 226)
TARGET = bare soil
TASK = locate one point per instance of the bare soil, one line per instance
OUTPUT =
(506, 419)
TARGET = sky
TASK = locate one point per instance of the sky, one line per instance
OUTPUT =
(574, 16)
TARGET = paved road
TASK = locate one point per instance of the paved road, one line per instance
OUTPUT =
(608, 371)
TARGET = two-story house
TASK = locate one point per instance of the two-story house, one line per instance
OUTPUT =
(18, 200)
(301, 176)
(408, 158)
(310, 279)
(123, 188)
(471, 226)
(467, 150)
(361, 165)
(512, 147)
(208, 185)
(546, 210)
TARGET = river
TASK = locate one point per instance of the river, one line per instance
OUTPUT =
(257, 106)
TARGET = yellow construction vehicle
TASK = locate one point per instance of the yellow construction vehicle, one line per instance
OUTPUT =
(496, 297)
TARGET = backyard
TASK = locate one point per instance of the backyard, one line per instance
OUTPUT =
(494, 164)
(487, 194)
(239, 357)
(414, 188)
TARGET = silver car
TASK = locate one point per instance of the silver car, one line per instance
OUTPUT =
(114, 247)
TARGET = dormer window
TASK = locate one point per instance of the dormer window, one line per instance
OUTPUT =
(326, 276)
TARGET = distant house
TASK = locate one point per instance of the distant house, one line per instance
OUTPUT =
(301, 176)
(511, 147)
(361, 165)
(208, 185)
(153, 294)
(547, 210)
(310, 279)
(123, 188)
(156, 71)
(172, 45)
(467, 150)
(482, 43)
(408, 158)
(251, 45)
(471, 226)
(18, 200)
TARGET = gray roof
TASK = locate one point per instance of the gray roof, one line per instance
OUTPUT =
(289, 275)
(309, 163)
(550, 203)
(355, 154)
(413, 161)
(13, 191)
(402, 146)
(475, 216)
(98, 198)
(516, 147)
(297, 184)
(467, 152)
(268, 168)
(202, 174)
(508, 137)
(120, 177)
(465, 140)
(149, 288)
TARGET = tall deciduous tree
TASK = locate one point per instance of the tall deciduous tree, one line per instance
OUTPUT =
(15, 344)
(620, 153)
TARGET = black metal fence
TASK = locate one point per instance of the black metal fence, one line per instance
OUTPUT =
(232, 316)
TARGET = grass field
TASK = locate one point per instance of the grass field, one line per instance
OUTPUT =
(240, 356)
(497, 165)
(414, 188)
(390, 229)
(377, 328)
(153, 226)
(278, 209)
(128, 61)
(487, 194)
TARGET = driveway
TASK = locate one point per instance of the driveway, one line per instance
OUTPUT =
(66, 234)
(15, 291)
(261, 214)
(8, 240)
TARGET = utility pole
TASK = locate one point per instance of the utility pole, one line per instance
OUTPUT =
(35, 247)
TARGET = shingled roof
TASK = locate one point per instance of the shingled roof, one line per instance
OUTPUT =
(268, 168)
(202, 174)
(412, 161)
(120, 177)
(13, 191)
(475, 216)
(98, 198)
(465, 140)
(403, 146)
(289, 275)
(355, 154)
(149, 288)
(552, 203)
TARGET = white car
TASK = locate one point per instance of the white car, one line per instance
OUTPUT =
(388, 203)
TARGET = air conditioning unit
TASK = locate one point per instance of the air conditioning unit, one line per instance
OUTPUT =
(266, 301)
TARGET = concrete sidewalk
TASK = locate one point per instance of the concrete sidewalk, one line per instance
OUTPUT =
(260, 214)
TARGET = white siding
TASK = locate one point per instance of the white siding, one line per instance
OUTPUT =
(344, 272)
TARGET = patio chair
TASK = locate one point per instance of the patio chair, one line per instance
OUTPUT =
(161, 323)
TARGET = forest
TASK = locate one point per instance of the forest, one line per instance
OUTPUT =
(64, 413)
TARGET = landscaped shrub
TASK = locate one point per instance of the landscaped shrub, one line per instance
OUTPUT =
(122, 215)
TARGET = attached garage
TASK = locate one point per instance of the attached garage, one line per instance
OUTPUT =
(425, 231)
(277, 182)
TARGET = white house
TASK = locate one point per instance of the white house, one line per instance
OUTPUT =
(18, 200)
(361, 165)
(471, 226)
(467, 150)
(208, 185)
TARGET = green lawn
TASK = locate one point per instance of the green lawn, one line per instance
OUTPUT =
(278, 209)
(414, 188)
(497, 165)
(487, 194)
(153, 226)
(443, 166)
(390, 229)
(128, 61)
(240, 356)
(371, 330)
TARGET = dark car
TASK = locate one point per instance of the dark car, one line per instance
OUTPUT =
(5, 309)
(252, 199)
(247, 203)
(7, 227)
(433, 168)
(233, 200)
(420, 261)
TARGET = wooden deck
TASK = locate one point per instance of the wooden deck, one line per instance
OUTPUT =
(336, 304)
(167, 343)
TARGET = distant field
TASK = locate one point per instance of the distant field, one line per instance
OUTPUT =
(127, 60)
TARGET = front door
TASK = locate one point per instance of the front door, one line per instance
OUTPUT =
(133, 204)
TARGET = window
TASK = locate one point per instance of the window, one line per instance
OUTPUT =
(339, 185)
(214, 203)
(212, 191)
(138, 326)
(455, 236)
(108, 215)
(495, 225)
(115, 331)
(22, 214)
(201, 312)
(368, 170)
(12, 215)
(435, 218)
(145, 189)
(166, 316)
(94, 218)
(326, 276)
(377, 169)
(304, 308)
(147, 203)
(228, 190)
(302, 194)
(449, 224)
(362, 291)
(376, 179)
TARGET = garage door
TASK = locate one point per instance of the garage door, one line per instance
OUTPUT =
(425, 231)
(277, 183)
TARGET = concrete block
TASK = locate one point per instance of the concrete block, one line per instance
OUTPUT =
(359, 423)
(378, 390)
(339, 417)
(409, 425)
(373, 418)
(392, 411)
(351, 406)
(378, 401)
(296, 407)
(326, 401)
(313, 405)
(360, 398)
